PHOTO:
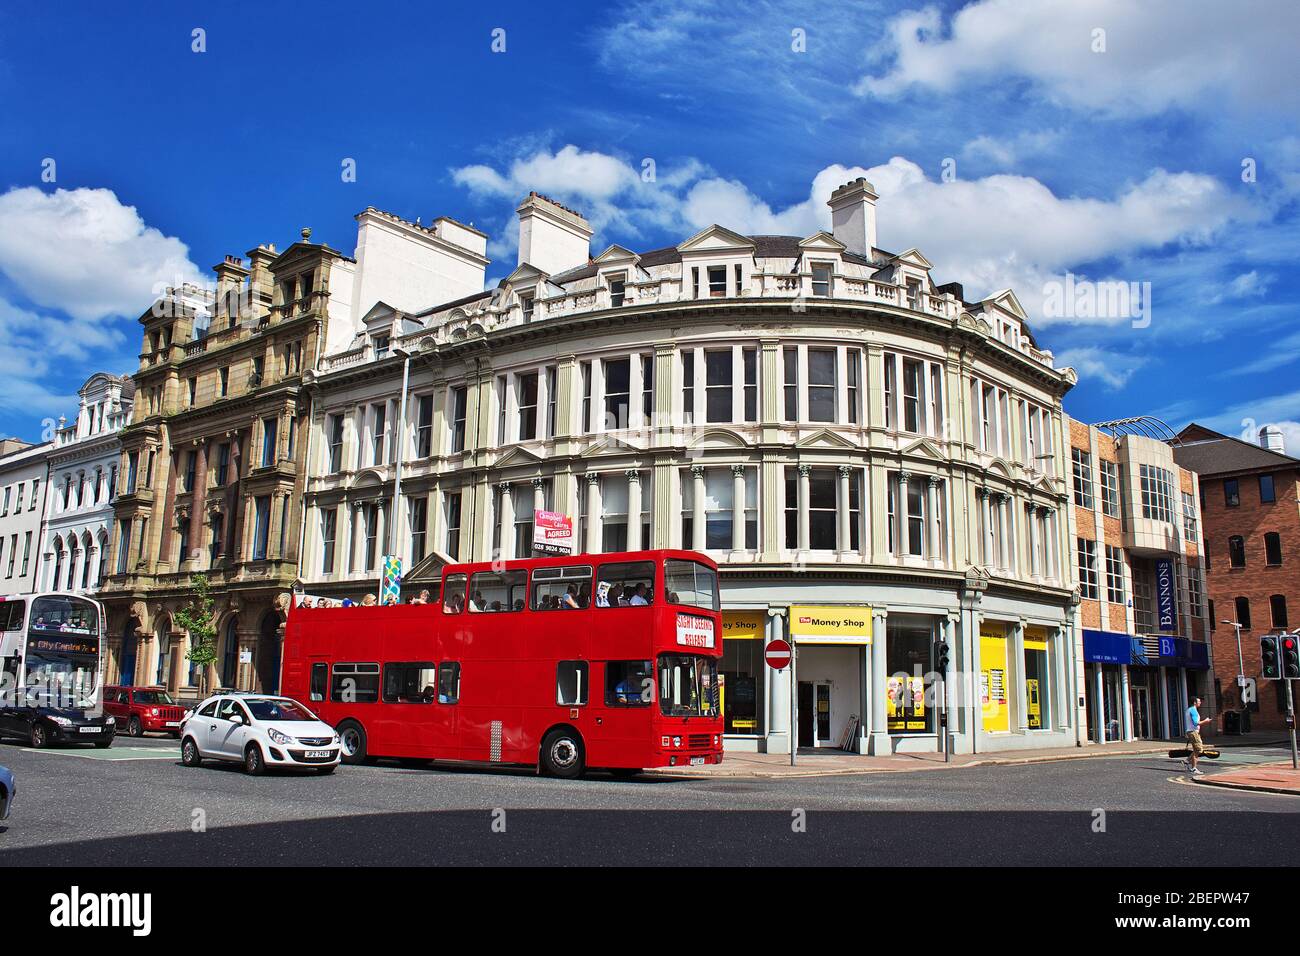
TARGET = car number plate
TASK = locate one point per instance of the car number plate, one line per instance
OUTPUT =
(697, 761)
(317, 754)
(88, 730)
(173, 723)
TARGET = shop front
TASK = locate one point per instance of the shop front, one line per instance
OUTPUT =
(744, 678)
(1137, 687)
(833, 645)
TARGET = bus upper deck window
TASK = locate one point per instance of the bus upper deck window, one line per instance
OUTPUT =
(690, 583)
(498, 591)
(561, 589)
(454, 594)
(628, 584)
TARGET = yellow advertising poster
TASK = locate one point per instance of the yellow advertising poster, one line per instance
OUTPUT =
(993, 678)
(905, 703)
(1035, 705)
(743, 625)
(830, 624)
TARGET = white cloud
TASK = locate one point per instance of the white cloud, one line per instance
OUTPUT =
(1159, 54)
(1113, 368)
(85, 253)
(1007, 152)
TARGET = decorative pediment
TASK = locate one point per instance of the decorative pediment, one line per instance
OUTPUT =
(519, 455)
(525, 275)
(615, 254)
(1006, 301)
(716, 238)
(974, 323)
(715, 438)
(611, 445)
(368, 477)
(998, 466)
(924, 448)
(913, 257)
(824, 438)
(822, 242)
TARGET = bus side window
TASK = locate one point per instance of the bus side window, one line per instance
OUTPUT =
(355, 684)
(453, 594)
(448, 682)
(498, 591)
(561, 589)
(409, 683)
(627, 584)
(319, 678)
(571, 683)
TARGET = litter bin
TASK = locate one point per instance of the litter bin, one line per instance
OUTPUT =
(1232, 723)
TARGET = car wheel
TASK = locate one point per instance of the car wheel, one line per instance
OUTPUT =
(133, 728)
(326, 771)
(254, 762)
(562, 754)
(38, 736)
(352, 741)
(190, 755)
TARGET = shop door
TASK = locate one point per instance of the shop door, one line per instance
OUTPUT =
(1140, 698)
(807, 721)
(823, 723)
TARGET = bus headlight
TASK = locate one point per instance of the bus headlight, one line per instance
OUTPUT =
(715, 740)
(677, 741)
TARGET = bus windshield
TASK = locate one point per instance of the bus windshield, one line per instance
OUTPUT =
(63, 681)
(690, 583)
(688, 685)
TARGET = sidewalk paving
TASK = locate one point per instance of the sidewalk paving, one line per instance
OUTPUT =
(1266, 778)
(814, 763)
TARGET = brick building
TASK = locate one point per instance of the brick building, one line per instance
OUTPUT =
(1251, 522)
(1141, 620)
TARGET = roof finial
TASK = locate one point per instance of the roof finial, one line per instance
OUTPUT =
(306, 234)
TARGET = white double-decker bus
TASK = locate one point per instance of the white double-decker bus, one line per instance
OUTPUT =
(51, 669)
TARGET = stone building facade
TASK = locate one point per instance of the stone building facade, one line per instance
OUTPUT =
(844, 436)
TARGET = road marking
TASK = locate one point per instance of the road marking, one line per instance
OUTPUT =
(112, 753)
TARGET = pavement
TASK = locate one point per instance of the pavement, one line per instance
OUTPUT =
(1266, 778)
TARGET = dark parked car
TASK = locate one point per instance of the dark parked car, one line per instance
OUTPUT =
(42, 726)
(7, 790)
(141, 710)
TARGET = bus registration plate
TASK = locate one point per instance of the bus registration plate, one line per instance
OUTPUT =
(697, 761)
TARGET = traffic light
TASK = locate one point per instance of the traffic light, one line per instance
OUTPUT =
(941, 656)
(1269, 657)
(1290, 646)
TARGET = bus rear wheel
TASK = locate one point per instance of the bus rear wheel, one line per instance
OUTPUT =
(562, 754)
(352, 741)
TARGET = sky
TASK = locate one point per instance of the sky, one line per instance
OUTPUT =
(1130, 170)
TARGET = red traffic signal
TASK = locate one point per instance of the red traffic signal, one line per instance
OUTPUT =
(1290, 657)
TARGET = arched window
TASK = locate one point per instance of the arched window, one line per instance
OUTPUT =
(88, 549)
(1243, 612)
(102, 555)
(58, 563)
(1237, 551)
(1272, 548)
(74, 554)
(164, 650)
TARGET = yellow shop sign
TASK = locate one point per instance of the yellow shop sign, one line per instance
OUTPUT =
(743, 625)
(830, 624)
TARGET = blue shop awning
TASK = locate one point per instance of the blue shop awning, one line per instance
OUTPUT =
(1152, 650)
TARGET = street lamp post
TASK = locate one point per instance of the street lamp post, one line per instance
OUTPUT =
(400, 439)
(1241, 675)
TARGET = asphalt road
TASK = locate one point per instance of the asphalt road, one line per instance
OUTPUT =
(97, 808)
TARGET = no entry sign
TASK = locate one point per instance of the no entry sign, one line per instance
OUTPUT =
(777, 654)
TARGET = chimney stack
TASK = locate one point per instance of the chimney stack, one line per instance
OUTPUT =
(853, 216)
(1270, 437)
(552, 237)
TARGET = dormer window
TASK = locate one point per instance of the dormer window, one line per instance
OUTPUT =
(914, 293)
(717, 282)
(821, 278)
(617, 285)
(526, 304)
(382, 345)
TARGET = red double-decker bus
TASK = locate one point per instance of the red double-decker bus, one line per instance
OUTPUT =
(606, 661)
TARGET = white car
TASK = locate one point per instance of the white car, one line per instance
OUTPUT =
(261, 731)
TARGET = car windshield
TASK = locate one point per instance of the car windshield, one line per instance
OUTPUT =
(690, 583)
(688, 685)
(153, 697)
(279, 710)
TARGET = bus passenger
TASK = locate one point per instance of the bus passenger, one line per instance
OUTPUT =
(369, 601)
(570, 600)
(476, 601)
(584, 596)
(639, 596)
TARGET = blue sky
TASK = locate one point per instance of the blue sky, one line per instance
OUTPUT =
(1015, 142)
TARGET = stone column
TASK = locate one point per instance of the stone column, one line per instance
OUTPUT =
(845, 518)
(593, 510)
(737, 507)
(986, 525)
(805, 534)
(633, 509)
(1036, 564)
(539, 494)
(932, 517)
(506, 520)
(902, 513)
(1004, 533)
(1017, 668)
(697, 508)
(879, 673)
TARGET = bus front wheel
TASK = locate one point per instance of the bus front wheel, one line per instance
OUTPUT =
(562, 754)
(352, 741)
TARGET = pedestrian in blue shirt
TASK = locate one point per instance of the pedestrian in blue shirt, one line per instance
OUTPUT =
(1195, 748)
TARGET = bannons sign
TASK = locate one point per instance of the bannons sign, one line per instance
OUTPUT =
(1166, 600)
(552, 533)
